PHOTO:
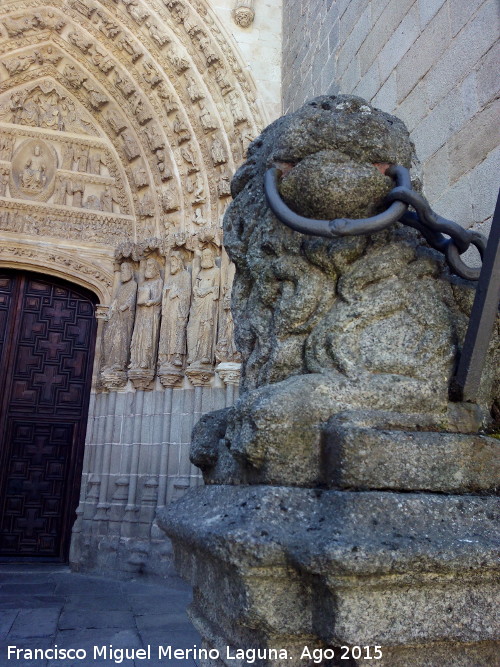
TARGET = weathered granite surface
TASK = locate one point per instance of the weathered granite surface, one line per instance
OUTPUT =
(332, 568)
(348, 347)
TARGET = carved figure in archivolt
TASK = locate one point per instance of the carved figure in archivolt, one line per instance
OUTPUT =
(175, 312)
(117, 332)
(4, 182)
(203, 314)
(147, 321)
(6, 143)
(33, 170)
(192, 89)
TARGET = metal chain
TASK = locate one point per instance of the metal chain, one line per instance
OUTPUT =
(443, 235)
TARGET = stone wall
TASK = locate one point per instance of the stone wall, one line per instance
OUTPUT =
(136, 462)
(430, 62)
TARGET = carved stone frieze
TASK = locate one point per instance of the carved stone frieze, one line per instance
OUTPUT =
(122, 98)
(200, 377)
(224, 185)
(128, 46)
(140, 176)
(157, 34)
(40, 20)
(38, 219)
(193, 90)
(46, 105)
(207, 121)
(181, 130)
(217, 151)
(169, 200)
(136, 11)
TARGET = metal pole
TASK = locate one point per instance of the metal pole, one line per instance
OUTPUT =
(466, 383)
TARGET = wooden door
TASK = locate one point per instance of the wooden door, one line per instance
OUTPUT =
(47, 335)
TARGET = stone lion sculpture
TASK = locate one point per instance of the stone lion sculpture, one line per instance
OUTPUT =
(365, 328)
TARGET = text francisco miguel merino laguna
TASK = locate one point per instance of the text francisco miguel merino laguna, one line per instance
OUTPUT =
(118, 655)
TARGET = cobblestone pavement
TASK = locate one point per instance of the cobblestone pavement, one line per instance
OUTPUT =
(44, 606)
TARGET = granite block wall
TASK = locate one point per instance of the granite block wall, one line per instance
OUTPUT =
(433, 63)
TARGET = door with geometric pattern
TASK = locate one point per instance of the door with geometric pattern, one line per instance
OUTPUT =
(47, 336)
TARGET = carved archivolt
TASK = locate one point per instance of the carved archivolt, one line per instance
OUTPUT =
(89, 272)
(138, 110)
(170, 312)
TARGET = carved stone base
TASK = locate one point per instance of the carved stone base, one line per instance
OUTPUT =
(113, 379)
(170, 375)
(141, 378)
(200, 375)
(286, 568)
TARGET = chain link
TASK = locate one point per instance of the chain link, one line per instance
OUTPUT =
(443, 235)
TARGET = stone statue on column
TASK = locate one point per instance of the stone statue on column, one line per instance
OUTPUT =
(175, 312)
(146, 328)
(118, 329)
(203, 314)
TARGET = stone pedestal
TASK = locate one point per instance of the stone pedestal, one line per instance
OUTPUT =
(396, 554)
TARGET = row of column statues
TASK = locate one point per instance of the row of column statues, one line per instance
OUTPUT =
(168, 327)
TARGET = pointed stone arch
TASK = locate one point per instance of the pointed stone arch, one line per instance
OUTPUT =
(156, 86)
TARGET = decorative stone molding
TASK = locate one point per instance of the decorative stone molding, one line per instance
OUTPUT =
(85, 271)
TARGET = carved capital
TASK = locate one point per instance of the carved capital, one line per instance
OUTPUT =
(169, 375)
(113, 379)
(141, 378)
(101, 312)
(199, 376)
(229, 372)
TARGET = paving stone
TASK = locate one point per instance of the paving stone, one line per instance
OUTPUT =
(91, 618)
(101, 602)
(28, 588)
(13, 601)
(7, 618)
(38, 643)
(93, 611)
(88, 639)
(152, 622)
(86, 585)
(41, 622)
(167, 602)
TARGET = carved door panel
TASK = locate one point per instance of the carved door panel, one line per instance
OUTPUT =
(47, 334)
